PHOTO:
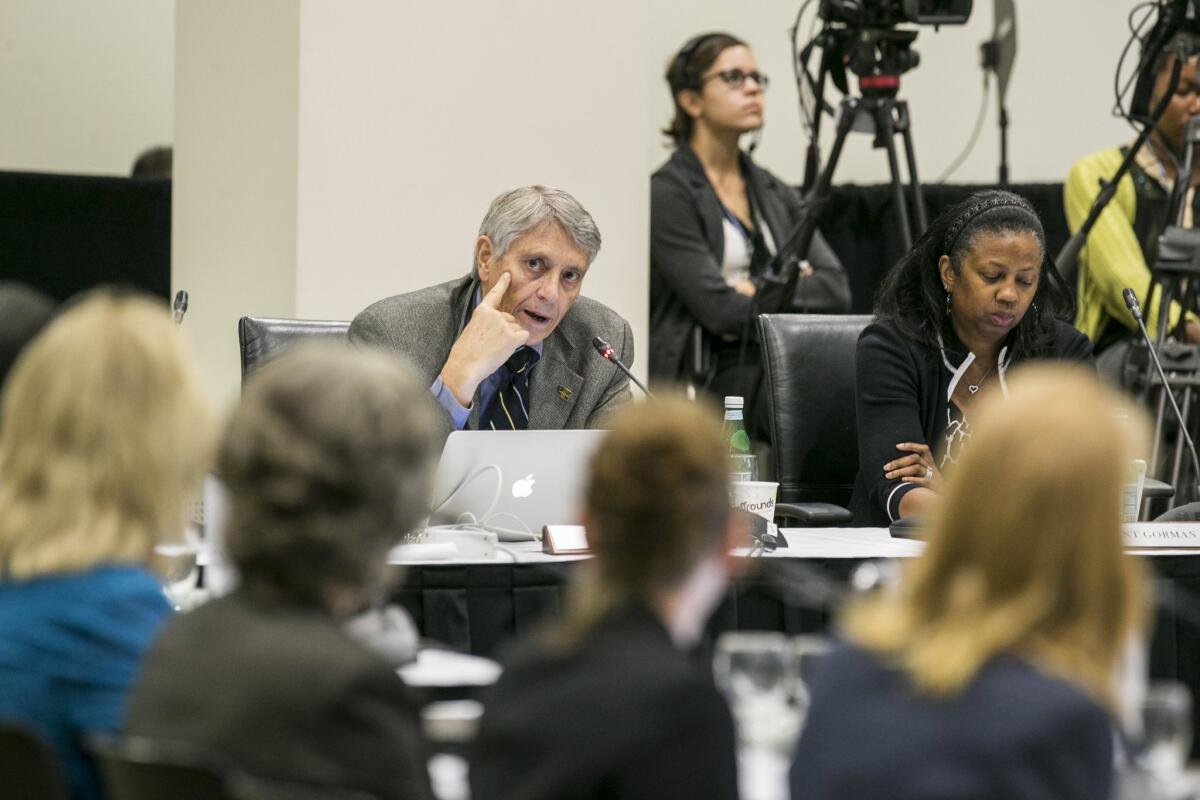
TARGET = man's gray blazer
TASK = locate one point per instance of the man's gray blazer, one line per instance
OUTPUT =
(571, 386)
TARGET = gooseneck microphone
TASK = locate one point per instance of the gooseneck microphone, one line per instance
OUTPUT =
(1131, 302)
(608, 354)
(179, 308)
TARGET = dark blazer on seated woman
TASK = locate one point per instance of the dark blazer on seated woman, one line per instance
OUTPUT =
(620, 714)
(903, 388)
(687, 246)
(285, 694)
(1013, 732)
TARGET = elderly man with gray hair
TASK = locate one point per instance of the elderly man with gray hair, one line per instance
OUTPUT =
(509, 345)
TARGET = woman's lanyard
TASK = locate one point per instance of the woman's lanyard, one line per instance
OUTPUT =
(737, 223)
(757, 246)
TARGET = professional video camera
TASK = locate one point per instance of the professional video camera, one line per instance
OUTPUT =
(889, 13)
(862, 35)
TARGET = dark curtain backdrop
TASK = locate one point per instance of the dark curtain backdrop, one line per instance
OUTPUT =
(859, 223)
(67, 233)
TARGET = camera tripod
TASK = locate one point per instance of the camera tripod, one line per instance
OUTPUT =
(887, 118)
(1175, 279)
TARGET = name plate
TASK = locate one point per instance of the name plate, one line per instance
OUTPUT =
(564, 540)
(1167, 535)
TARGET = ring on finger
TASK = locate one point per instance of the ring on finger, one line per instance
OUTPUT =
(928, 473)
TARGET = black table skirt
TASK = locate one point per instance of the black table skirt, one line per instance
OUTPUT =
(480, 608)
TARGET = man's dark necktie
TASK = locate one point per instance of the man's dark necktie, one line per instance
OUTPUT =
(510, 407)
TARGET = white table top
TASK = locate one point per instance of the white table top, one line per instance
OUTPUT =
(854, 543)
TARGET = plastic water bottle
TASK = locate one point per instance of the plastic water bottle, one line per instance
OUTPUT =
(741, 462)
(735, 426)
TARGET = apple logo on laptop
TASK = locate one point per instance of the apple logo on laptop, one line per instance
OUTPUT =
(523, 487)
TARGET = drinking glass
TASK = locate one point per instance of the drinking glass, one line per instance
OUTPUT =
(1166, 729)
(175, 561)
(757, 672)
(809, 651)
(743, 467)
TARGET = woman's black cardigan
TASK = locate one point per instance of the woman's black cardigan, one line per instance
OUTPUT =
(900, 390)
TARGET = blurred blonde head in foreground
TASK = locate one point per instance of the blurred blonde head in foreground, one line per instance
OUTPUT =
(105, 435)
(1024, 554)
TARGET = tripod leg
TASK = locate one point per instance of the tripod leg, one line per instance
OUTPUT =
(812, 161)
(1159, 417)
(1181, 496)
(1166, 295)
(847, 110)
(886, 136)
(918, 194)
(1003, 144)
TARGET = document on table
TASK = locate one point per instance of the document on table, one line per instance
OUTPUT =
(845, 543)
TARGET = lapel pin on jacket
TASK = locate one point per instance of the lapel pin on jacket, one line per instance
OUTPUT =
(564, 393)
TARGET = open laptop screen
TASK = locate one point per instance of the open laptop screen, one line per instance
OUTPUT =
(513, 481)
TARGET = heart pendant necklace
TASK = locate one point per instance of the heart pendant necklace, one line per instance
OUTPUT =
(973, 388)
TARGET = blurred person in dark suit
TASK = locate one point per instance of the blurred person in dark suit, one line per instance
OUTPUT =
(509, 346)
(106, 435)
(327, 463)
(609, 704)
(992, 670)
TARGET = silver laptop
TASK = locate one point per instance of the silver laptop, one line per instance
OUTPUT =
(513, 482)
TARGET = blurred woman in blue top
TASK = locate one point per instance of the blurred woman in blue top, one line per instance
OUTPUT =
(105, 436)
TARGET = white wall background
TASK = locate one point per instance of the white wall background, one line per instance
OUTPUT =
(412, 121)
(1059, 96)
(84, 85)
(383, 132)
(331, 153)
(233, 213)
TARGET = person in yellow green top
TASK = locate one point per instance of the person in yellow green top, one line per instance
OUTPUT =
(1123, 243)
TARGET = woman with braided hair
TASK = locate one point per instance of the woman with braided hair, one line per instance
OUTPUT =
(974, 296)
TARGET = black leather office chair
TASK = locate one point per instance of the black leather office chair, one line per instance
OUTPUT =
(263, 338)
(28, 767)
(138, 768)
(1188, 512)
(808, 360)
(144, 768)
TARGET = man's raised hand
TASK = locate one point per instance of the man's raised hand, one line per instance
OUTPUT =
(489, 338)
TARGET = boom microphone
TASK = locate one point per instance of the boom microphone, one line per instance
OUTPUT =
(608, 354)
(1131, 302)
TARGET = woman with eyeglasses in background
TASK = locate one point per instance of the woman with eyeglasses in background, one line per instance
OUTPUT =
(716, 221)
